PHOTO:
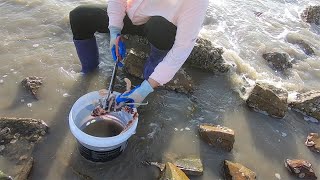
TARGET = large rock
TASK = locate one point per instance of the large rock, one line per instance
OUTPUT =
(32, 84)
(203, 56)
(313, 142)
(312, 15)
(181, 82)
(236, 171)
(268, 99)
(217, 136)
(278, 61)
(207, 57)
(308, 103)
(300, 168)
(171, 172)
(18, 137)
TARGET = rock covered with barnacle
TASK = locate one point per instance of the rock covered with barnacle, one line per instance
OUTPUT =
(32, 84)
(300, 168)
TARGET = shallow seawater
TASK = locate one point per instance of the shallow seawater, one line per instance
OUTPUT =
(37, 40)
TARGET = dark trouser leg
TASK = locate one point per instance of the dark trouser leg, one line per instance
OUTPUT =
(85, 21)
(161, 35)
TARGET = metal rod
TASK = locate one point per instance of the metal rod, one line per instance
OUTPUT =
(110, 90)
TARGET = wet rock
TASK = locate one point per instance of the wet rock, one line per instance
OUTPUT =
(18, 137)
(268, 99)
(203, 56)
(32, 84)
(207, 57)
(300, 168)
(21, 128)
(25, 170)
(217, 136)
(311, 15)
(171, 172)
(181, 82)
(308, 103)
(189, 165)
(313, 142)
(278, 61)
(3, 176)
(306, 48)
(236, 171)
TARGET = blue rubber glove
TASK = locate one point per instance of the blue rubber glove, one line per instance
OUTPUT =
(114, 34)
(136, 95)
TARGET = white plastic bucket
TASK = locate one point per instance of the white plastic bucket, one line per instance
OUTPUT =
(99, 149)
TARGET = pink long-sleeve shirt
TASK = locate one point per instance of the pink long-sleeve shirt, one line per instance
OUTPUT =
(187, 15)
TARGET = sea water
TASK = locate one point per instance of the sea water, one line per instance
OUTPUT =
(102, 127)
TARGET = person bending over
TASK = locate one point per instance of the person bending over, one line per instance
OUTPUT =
(171, 27)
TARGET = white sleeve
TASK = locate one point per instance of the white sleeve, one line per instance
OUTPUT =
(188, 27)
(116, 11)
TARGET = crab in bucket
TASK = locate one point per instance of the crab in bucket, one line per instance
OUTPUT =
(112, 106)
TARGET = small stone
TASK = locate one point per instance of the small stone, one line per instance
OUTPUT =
(300, 168)
(175, 129)
(65, 95)
(277, 175)
(22, 100)
(188, 129)
(29, 104)
(4, 76)
(35, 45)
(11, 69)
(13, 141)
(1, 81)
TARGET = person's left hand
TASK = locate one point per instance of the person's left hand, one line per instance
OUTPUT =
(136, 95)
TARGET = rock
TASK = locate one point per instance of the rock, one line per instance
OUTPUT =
(3, 176)
(189, 165)
(236, 171)
(207, 57)
(32, 84)
(25, 170)
(300, 168)
(181, 82)
(278, 61)
(268, 99)
(217, 136)
(203, 56)
(18, 136)
(21, 128)
(311, 15)
(306, 48)
(308, 103)
(171, 172)
(313, 142)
